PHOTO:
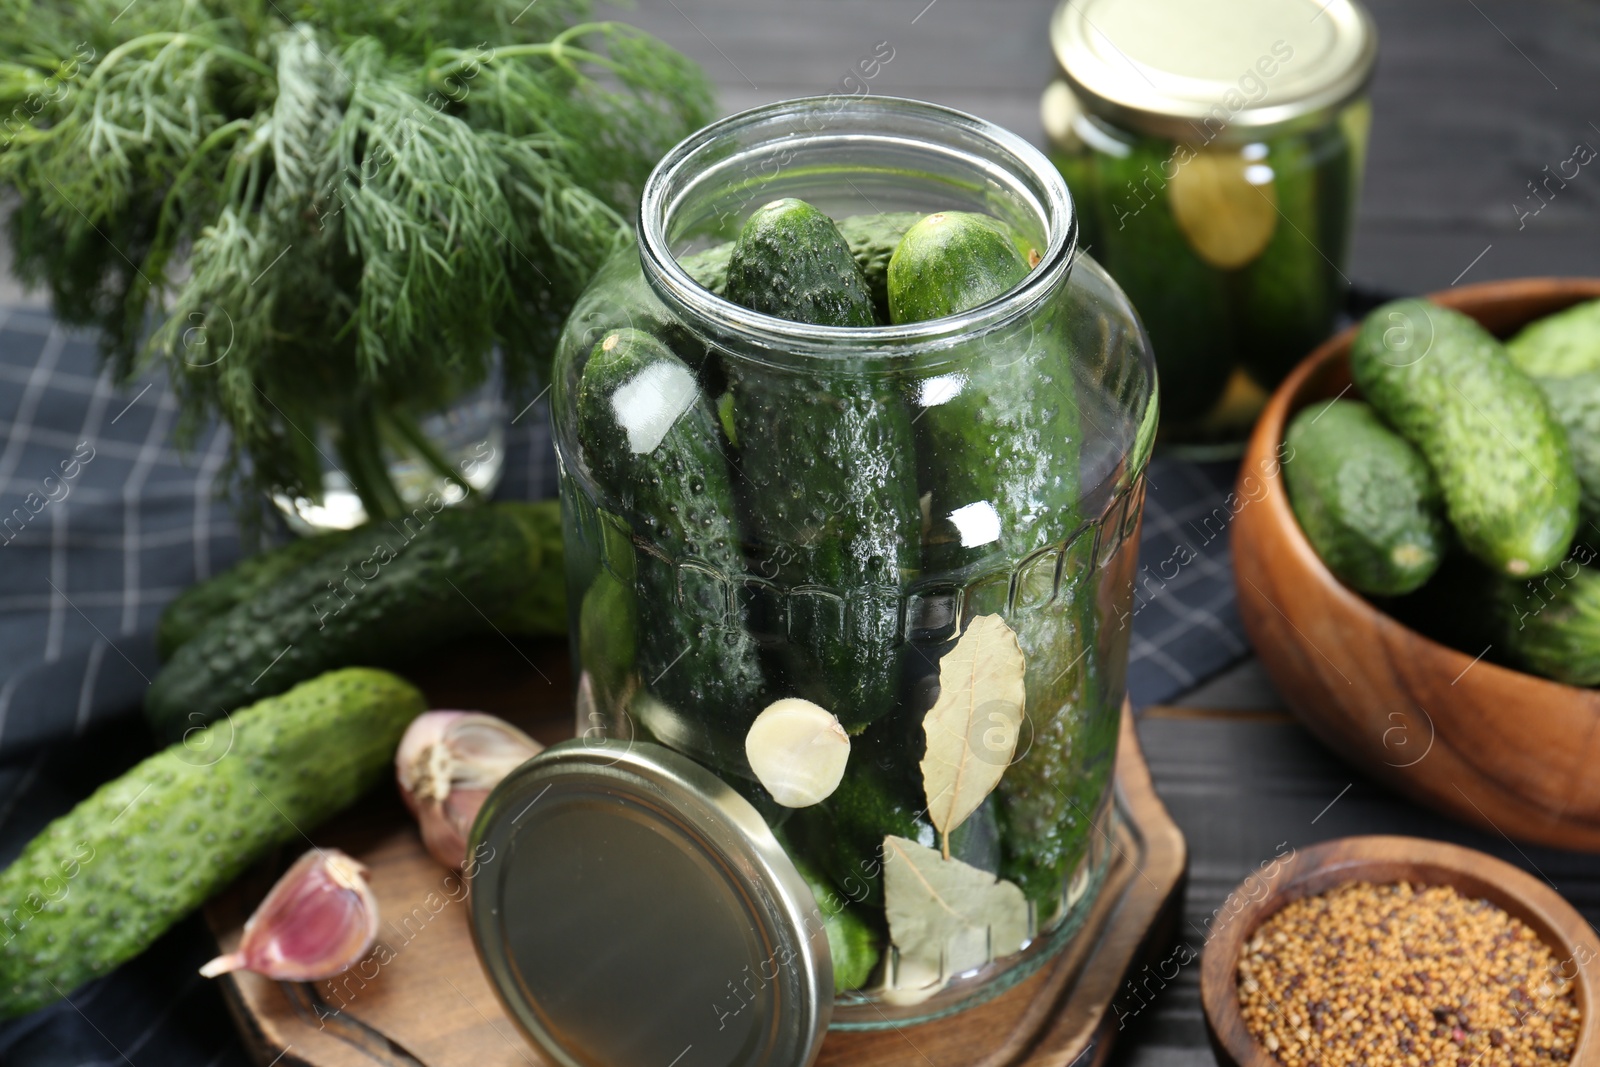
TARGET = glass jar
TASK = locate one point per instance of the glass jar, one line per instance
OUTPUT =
(1215, 153)
(387, 453)
(868, 493)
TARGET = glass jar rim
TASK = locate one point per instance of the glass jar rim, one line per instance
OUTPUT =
(676, 288)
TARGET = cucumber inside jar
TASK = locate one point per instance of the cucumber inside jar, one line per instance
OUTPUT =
(1233, 253)
(846, 536)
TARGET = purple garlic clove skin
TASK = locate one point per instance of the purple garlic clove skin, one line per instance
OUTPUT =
(318, 921)
(447, 763)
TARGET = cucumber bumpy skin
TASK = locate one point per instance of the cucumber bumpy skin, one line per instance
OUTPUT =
(1010, 440)
(1365, 498)
(950, 262)
(791, 262)
(829, 495)
(1500, 457)
(650, 438)
(389, 591)
(1551, 625)
(1575, 402)
(197, 606)
(1563, 345)
(101, 883)
(872, 240)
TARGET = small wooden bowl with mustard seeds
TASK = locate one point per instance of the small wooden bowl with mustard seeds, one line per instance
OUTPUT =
(1399, 951)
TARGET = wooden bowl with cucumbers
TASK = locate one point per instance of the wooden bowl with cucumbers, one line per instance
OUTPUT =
(1428, 603)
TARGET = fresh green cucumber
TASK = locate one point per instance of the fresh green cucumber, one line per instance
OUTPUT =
(852, 941)
(1364, 497)
(651, 440)
(389, 592)
(1182, 300)
(1054, 789)
(1285, 301)
(872, 240)
(102, 882)
(950, 262)
(844, 834)
(1575, 402)
(791, 262)
(194, 608)
(1551, 625)
(1561, 352)
(1007, 444)
(607, 637)
(1562, 345)
(829, 494)
(1500, 457)
(710, 267)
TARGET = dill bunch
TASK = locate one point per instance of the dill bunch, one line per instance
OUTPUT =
(327, 214)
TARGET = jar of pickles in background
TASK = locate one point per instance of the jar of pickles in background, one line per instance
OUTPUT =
(1214, 152)
(771, 522)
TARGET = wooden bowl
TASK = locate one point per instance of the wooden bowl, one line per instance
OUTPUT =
(1504, 750)
(1385, 860)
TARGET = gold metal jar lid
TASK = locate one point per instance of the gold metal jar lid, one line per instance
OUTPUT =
(1219, 71)
(633, 910)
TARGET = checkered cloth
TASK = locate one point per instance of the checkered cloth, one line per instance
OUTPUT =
(103, 520)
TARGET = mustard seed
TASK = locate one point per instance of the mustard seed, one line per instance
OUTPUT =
(1400, 974)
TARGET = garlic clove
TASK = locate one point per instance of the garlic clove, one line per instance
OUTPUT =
(798, 751)
(447, 763)
(318, 921)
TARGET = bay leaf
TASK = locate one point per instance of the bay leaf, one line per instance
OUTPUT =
(945, 917)
(972, 727)
(1226, 206)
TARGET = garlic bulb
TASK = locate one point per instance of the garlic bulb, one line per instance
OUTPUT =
(318, 921)
(798, 751)
(447, 763)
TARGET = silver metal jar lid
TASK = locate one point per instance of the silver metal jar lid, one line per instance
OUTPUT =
(632, 910)
(1222, 70)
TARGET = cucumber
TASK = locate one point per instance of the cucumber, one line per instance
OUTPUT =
(651, 440)
(1551, 625)
(1051, 793)
(1364, 497)
(872, 240)
(950, 262)
(1561, 352)
(710, 267)
(1562, 345)
(1575, 403)
(388, 593)
(1182, 301)
(852, 941)
(102, 882)
(607, 637)
(791, 262)
(1009, 440)
(1285, 301)
(828, 492)
(1500, 457)
(844, 834)
(194, 608)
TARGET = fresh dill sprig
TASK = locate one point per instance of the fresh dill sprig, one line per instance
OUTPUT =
(327, 215)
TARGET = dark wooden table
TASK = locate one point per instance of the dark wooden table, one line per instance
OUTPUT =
(1472, 100)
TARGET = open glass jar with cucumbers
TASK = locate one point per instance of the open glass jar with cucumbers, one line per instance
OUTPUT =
(852, 443)
(1215, 153)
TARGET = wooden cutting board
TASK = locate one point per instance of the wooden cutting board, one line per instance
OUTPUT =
(422, 1000)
